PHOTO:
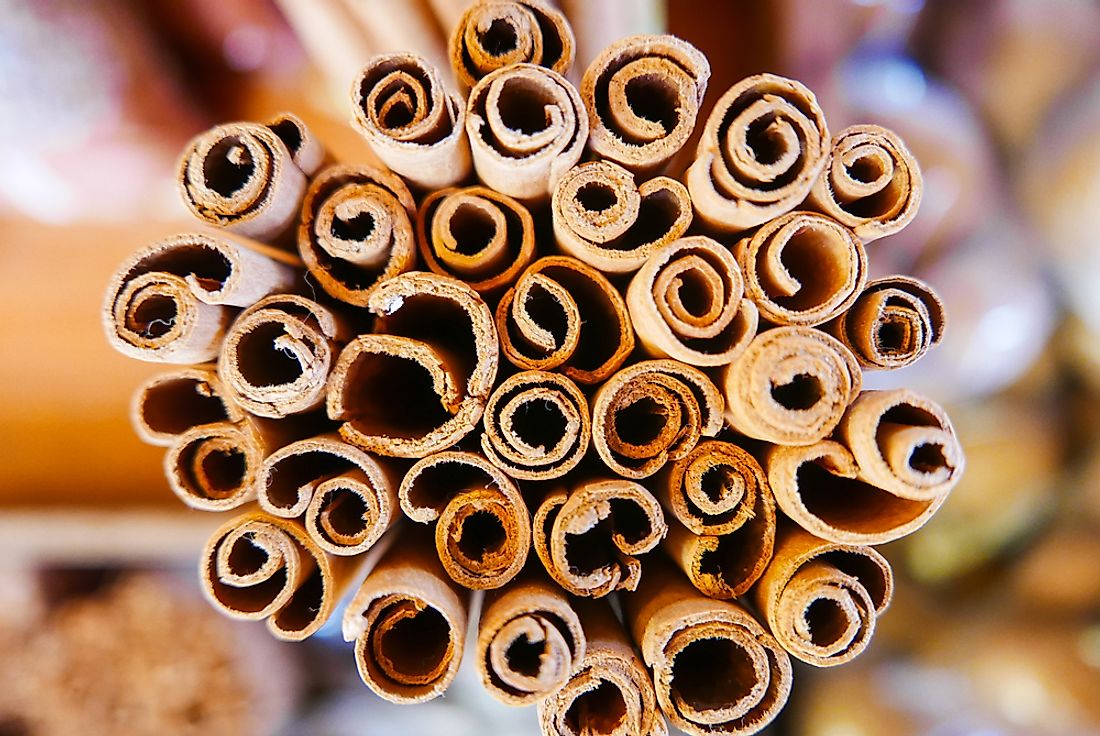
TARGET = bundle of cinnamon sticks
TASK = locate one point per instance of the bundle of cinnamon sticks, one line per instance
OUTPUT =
(545, 361)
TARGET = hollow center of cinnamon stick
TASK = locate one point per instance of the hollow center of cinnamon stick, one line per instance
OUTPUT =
(154, 316)
(892, 337)
(523, 105)
(596, 197)
(416, 645)
(600, 710)
(717, 482)
(801, 393)
(473, 229)
(826, 620)
(640, 422)
(222, 471)
(346, 512)
(652, 98)
(499, 39)
(866, 169)
(228, 167)
(525, 656)
(816, 260)
(695, 294)
(261, 363)
(482, 534)
(356, 228)
(927, 458)
(767, 144)
(394, 396)
(246, 557)
(539, 423)
(710, 674)
(173, 407)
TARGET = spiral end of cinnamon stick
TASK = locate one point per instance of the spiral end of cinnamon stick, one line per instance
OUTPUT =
(893, 322)
(213, 467)
(500, 33)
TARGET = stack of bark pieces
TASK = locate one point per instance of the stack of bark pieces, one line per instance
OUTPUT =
(626, 405)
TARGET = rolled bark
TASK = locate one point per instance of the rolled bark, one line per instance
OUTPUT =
(791, 386)
(276, 357)
(603, 218)
(643, 94)
(686, 303)
(588, 537)
(306, 150)
(348, 498)
(652, 413)
(482, 526)
(597, 336)
(172, 301)
(716, 670)
(527, 127)
(494, 34)
(530, 640)
(419, 383)
(410, 121)
(870, 183)
(537, 426)
(893, 322)
(821, 599)
(762, 149)
(168, 404)
(476, 235)
(611, 693)
(802, 269)
(261, 567)
(408, 622)
(356, 231)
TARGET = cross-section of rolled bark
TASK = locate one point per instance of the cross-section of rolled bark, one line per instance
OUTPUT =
(802, 269)
(172, 301)
(716, 670)
(563, 314)
(493, 34)
(408, 622)
(763, 147)
(349, 498)
(356, 230)
(482, 526)
(306, 150)
(601, 217)
(530, 640)
(419, 383)
(588, 538)
(651, 413)
(871, 182)
(821, 599)
(611, 693)
(893, 322)
(261, 567)
(168, 404)
(536, 426)
(791, 386)
(527, 127)
(642, 94)
(686, 303)
(243, 177)
(277, 356)
(410, 121)
(476, 235)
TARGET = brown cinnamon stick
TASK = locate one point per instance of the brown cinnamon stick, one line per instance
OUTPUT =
(603, 218)
(213, 467)
(761, 151)
(686, 303)
(168, 404)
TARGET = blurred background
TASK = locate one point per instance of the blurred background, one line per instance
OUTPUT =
(995, 628)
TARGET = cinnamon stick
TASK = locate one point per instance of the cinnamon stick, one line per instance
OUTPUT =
(482, 530)
(168, 404)
(686, 303)
(306, 150)
(601, 217)
(761, 151)
(172, 301)
(410, 121)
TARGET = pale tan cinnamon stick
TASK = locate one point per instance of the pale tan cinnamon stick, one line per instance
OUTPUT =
(483, 528)
(716, 670)
(763, 147)
(601, 217)
(802, 269)
(821, 599)
(564, 314)
(686, 303)
(588, 537)
(643, 94)
(356, 230)
(893, 322)
(306, 150)
(348, 498)
(871, 182)
(410, 121)
(530, 640)
(261, 567)
(651, 413)
(791, 386)
(494, 34)
(172, 301)
(537, 426)
(168, 404)
(527, 127)
(476, 235)
(277, 356)
(419, 383)
(611, 694)
(408, 622)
